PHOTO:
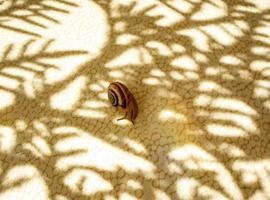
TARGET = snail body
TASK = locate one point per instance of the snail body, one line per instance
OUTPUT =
(120, 96)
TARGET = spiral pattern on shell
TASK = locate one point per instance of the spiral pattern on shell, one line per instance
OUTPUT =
(113, 97)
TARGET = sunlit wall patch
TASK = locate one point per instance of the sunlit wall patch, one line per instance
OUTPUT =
(95, 152)
(7, 99)
(225, 130)
(87, 182)
(211, 11)
(7, 139)
(168, 115)
(29, 178)
(190, 155)
(185, 63)
(69, 96)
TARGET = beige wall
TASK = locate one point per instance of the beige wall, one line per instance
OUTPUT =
(199, 70)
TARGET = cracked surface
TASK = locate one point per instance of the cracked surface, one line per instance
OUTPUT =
(199, 70)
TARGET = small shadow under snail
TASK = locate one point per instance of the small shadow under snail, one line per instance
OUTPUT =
(120, 96)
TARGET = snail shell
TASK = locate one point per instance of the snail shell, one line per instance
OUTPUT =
(120, 96)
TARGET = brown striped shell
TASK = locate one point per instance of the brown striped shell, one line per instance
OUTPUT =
(120, 96)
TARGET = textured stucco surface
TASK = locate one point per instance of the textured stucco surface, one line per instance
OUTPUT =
(200, 71)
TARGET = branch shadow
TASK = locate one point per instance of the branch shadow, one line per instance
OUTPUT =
(31, 12)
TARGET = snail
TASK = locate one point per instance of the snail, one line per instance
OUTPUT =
(120, 96)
